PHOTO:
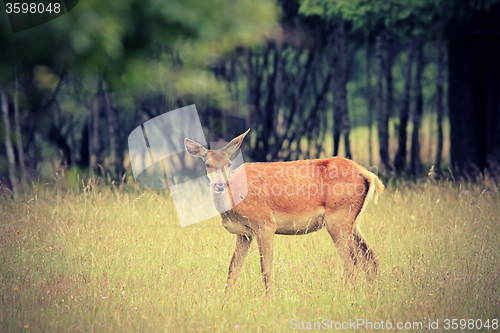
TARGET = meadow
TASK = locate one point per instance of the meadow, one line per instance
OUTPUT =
(103, 259)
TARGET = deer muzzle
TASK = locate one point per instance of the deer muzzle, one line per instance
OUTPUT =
(219, 188)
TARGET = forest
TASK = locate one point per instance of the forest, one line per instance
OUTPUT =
(304, 75)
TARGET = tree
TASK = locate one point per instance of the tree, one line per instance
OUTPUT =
(382, 112)
(474, 69)
(8, 143)
(415, 160)
(331, 12)
(340, 79)
(404, 111)
(439, 98)
(131, 48)
(386, 22)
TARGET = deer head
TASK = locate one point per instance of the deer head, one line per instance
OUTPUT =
(217, 162)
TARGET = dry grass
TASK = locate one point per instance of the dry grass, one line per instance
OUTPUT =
(101, 260)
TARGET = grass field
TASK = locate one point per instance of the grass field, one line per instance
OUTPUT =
(101, 260)
(91, 258)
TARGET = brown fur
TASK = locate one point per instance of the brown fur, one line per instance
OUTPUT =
(291, 198)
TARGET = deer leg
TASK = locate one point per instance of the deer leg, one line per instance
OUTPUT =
(265, 240)
(243, 243)
(365, 254)
(343, 240)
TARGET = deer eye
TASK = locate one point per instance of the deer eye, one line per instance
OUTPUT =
(229, 165)
(207, 165)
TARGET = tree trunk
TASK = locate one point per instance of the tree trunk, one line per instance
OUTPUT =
(337, 111)
(439, 102)
(250, 98)
(404, 111)
(8, 144)
(19, 141)
(415, 161)
(383, 133)
(270, 106)
(84, 160)
(279, 91)
(299, 88)
(94, 133)
(114, 137)
(369, 97)
(342, 87)
(389, 100)
(312, 127)
(473, 94)
(256, 75)
(233, 75)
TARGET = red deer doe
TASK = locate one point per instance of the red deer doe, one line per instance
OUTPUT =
(290, 198)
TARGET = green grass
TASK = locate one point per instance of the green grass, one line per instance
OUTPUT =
(103, 260)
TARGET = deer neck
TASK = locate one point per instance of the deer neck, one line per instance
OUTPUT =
(223, 202)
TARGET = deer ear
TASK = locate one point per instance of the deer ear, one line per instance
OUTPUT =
(235, 143)
(195, 149)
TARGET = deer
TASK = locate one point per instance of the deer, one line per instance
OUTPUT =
(289, 198)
